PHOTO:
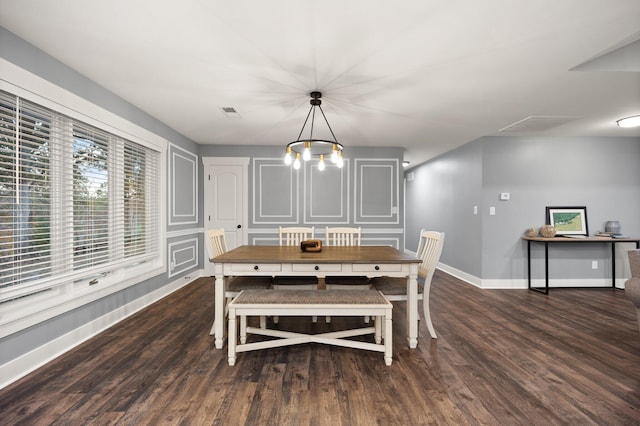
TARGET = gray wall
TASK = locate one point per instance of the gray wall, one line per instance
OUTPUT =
(600, 173)
(441, 195)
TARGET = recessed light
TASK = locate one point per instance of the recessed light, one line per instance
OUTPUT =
(633, 121)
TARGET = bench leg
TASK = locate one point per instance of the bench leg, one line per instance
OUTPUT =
(243, 329)
(388, 339)
(377, 322)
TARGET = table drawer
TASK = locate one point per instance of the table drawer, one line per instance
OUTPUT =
(383, 267)
(321, 267)
(238, 268)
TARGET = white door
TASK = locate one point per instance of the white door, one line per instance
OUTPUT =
(225, 198)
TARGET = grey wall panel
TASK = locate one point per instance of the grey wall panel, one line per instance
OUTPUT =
(183, 255)
(275, 192)
(600, 173)
(376, 191)
(183, 186)
(327, 194)
(441, 197)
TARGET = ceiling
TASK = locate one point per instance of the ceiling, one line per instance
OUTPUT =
(425, 75)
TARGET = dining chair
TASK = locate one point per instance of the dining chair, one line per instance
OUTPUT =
(395, 289)
(216, 246)
(344, 236)
(292, 236)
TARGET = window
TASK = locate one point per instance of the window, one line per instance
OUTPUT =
(79, 206)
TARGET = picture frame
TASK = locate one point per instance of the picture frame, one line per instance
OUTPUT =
(568, 220)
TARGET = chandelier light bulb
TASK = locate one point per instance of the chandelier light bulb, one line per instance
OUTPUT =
(296, 162)
(306, 155)
(288, 158)
(321, 163)
(340, 161)
(334, 154)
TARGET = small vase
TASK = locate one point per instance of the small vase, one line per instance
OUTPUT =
(548, 231)
(612, 226)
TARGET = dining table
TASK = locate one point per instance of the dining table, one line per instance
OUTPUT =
(269, 260)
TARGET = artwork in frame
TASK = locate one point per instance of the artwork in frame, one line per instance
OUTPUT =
(568, 220)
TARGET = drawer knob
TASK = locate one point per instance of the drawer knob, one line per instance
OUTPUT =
(317, 268)
(377, 268)
(255, 268)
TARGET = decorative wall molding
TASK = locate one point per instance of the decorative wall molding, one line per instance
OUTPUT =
(184, 233)
(183, 204)
(183, 255)
(326, 194)
(275, 192)
(377, 191)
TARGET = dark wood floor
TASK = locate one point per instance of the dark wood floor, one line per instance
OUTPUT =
(508, 357)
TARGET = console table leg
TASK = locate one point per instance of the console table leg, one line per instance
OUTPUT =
(546, 268)
(529, 264)
(613, 265)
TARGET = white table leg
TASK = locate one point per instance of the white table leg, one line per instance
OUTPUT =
(388, 338)
(219, 322)
(378, 329)
(412, 307)
(233, 335)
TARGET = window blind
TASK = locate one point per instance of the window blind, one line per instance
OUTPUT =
(76, 202)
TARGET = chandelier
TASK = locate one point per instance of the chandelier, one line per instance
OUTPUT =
(308, 148)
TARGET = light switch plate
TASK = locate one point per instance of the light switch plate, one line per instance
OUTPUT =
(505, 196)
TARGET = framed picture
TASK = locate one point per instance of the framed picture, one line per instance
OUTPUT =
(568, 220)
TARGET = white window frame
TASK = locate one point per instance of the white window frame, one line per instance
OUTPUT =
(20, 314)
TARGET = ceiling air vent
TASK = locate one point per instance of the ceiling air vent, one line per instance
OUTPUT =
(538, 123)
(230, 112)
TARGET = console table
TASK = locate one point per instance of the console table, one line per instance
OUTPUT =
(569, 240)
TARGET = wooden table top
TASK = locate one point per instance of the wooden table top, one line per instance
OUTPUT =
(594, 239)
(329, 254)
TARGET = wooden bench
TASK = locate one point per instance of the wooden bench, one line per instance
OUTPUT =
(310, 303)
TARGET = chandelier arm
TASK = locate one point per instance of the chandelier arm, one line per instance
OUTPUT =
(327, 121)
(305, 123)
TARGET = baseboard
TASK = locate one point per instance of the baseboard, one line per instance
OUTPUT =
(521, 283)
(461, 275)
(29, 362)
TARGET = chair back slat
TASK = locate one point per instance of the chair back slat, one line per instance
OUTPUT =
(215, 243)
(293, 235)
(429, 251)
(342, 236)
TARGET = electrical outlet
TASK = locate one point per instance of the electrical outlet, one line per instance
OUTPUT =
(594, 264)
